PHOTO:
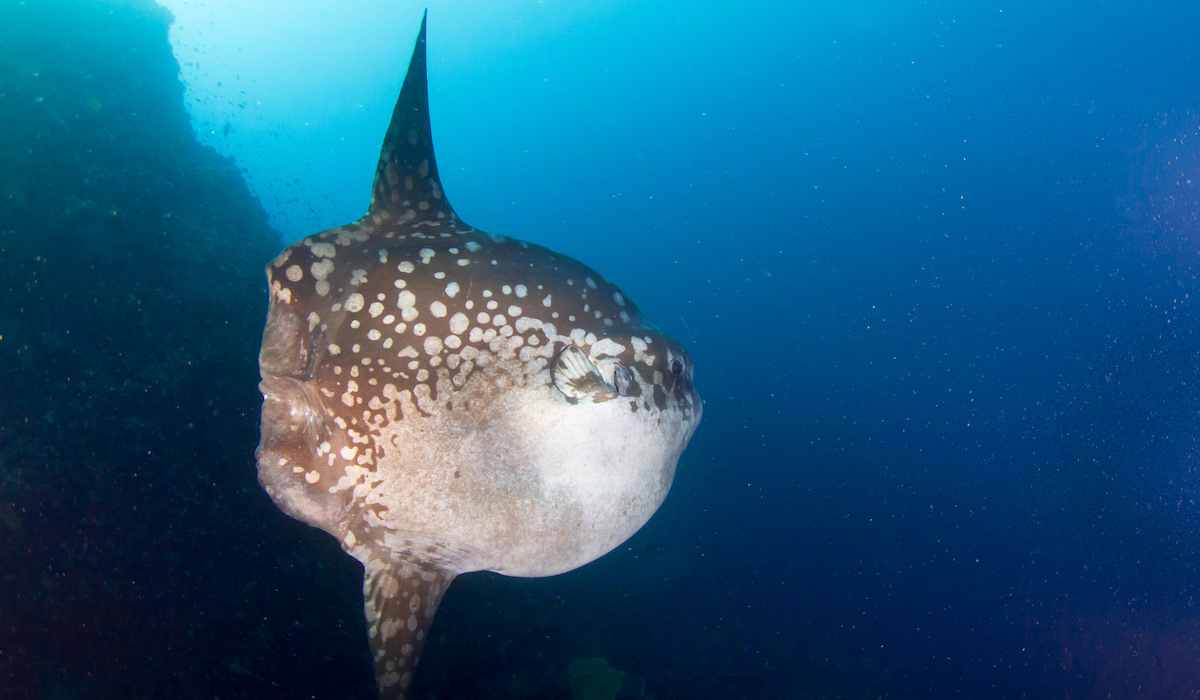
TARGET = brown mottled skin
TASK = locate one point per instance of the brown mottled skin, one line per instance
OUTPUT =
(443, 400)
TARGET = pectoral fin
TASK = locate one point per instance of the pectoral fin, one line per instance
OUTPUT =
(577, 377)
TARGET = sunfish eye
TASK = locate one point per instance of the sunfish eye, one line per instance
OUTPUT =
(676, 367)
(623, 380)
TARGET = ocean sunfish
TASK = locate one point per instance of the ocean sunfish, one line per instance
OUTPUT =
(444, 400)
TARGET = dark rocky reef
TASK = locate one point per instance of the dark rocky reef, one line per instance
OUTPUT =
(132, 253)
(139, 557)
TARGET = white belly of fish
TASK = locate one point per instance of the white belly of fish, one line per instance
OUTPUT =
(536, 487)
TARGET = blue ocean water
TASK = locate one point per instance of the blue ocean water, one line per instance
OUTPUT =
(933, 261)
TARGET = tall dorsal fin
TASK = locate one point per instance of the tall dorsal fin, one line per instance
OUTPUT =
(406, 180)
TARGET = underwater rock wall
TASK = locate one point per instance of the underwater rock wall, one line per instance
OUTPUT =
(132, 254)
(132, 530)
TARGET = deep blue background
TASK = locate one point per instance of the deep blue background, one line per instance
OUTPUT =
(935, 264)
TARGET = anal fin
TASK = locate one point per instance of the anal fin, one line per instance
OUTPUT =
(400, 599)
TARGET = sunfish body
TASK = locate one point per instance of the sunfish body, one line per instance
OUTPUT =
(443, 400)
